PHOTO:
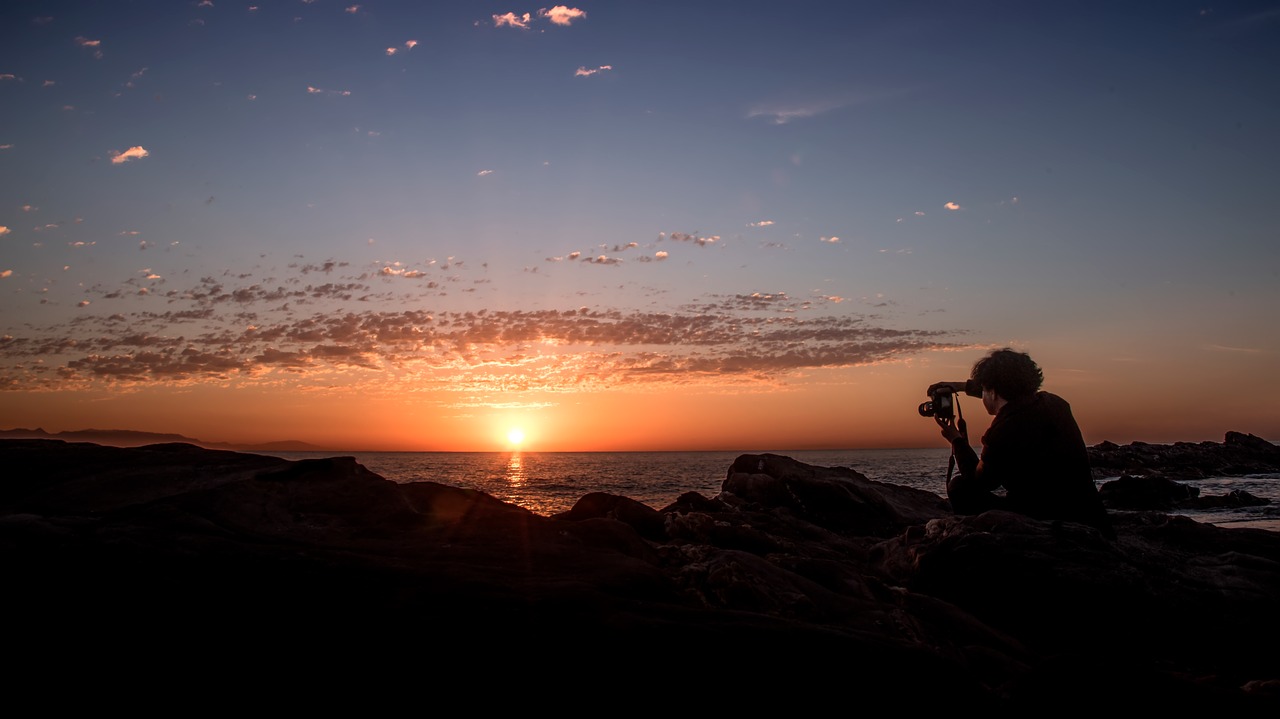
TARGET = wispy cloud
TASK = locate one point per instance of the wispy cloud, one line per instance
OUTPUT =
(584, 72)
(311, 90)
(95, 45)
(213, 331)
(953, 206)
(695, 238)
(133, 153)
(510, 19)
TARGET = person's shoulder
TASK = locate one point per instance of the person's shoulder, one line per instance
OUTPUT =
(1050, 399)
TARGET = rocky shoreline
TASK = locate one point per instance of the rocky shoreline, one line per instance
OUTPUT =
(794, 586)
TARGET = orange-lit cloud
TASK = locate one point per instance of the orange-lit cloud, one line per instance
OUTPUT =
(133, 153)
(584, 72)
(562, 15)
(512, 20)
(288, 331)
(95, 45)
(952, 206)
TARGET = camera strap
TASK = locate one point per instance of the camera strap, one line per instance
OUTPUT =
(964, 431)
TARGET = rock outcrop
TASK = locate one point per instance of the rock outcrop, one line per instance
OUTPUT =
(1150, 476)
(1237, 454)
(795, 586)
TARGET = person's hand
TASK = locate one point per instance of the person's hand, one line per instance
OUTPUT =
(950, 431)
(957, 387)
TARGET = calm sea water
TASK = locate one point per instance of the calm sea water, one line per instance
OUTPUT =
(550, 482)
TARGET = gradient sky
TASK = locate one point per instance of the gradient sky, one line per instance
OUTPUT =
(634, 225)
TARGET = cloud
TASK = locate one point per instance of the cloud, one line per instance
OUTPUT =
(584, 72)
(952, 206)
(133, 153)
(761, 223)
(279, 332)
(482, 173)
(562, 15)
(321, 91)
(830, 240)
(95, 45)
(695, 238)
(6, 273)
(512, 20)
(4, 230)
(353, 9)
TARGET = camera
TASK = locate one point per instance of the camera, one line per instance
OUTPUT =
(942, 398)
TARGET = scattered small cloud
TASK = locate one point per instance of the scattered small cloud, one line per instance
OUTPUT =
(95, 45)
(482, 173)
(559, 15)
(695, 238)
(4, 230)
(512, 20)
(137, 152)
(353, 9)
(761, 223)
(952, 206)
(5, 274)
(82, 303)
(830, 240)
(562, 15)
(311, 90)
(584, 72)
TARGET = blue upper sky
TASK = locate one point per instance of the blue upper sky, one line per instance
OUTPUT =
(1089, 181)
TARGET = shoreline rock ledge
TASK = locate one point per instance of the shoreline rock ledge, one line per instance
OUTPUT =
(795, 586)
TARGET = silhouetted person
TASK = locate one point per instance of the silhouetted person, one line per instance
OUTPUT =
(1033, 449)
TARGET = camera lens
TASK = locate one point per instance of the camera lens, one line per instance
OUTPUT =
(925, 409)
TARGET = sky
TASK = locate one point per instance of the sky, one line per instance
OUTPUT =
(634, 225)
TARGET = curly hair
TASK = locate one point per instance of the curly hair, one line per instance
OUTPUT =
(1010, 374)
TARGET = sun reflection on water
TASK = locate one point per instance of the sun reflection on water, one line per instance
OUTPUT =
(515, 470)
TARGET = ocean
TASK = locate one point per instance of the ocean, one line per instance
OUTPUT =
(550, 482)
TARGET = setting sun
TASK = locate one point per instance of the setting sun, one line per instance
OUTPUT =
(515, 436)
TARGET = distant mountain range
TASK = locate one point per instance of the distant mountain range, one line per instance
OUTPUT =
(132, 438)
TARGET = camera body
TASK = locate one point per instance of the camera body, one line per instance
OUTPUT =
(942, 401)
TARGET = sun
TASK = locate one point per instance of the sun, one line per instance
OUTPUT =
(515, 436)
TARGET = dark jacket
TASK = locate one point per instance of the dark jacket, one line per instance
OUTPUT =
(1034, 450)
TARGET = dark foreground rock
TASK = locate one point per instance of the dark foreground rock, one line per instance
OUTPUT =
(795, 587)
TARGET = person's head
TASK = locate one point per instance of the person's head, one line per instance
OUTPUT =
(1009, 374)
